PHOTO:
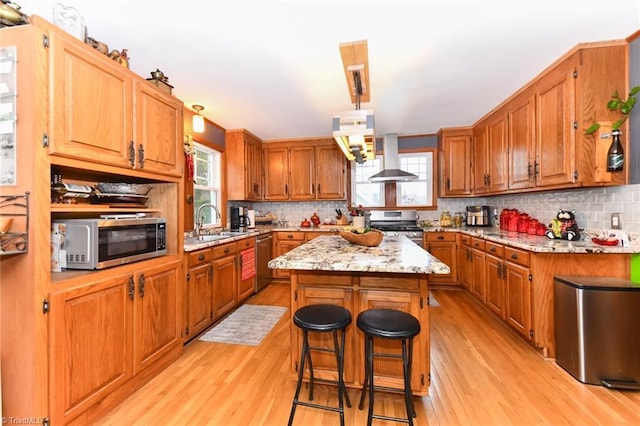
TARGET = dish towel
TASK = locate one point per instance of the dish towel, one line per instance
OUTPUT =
(248, 258)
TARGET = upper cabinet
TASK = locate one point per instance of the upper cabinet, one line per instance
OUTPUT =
(455, 161)
(304, 170)
(102, 113)
(244, 164)
(536, 139)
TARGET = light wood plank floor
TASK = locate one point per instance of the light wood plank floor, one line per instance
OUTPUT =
(482, 373)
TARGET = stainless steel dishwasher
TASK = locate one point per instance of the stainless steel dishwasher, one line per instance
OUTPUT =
(263, 243)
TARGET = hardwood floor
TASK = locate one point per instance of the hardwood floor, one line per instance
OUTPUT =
(482, 373)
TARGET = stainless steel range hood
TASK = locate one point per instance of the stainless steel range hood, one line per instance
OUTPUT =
(391, 163)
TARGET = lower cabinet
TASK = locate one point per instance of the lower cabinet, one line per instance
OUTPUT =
(358, 292)
(443, 245)
(477, 269)
(494, 278)
(214, 283)
(517, 278)
(104, 333)
(285, 242)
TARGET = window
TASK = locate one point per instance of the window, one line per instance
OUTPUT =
(367, 193)
(418, 193)
(206, 183)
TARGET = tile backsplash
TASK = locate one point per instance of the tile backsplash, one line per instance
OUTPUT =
(593, 206)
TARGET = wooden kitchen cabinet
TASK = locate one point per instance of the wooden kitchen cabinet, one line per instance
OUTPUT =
(454, 146)
(358, 292)
(490, 154)
(443, 245)
(246, 287)
(90, 324)
(283, 243)
(225, 278)
(521, 133)
(199, 291)
(517, 281)
(494, 278)
(103, 113)
(478, 271)
(244, 164)
(324, 363)
(464, 262)
(93, 337)
(304, 170)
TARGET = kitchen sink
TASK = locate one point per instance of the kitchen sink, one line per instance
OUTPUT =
(231, 233)
(204, 239)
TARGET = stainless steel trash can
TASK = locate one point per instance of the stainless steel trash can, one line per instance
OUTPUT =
(596, 330)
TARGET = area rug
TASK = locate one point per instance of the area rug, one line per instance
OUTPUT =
(247, 325)
(432, 301)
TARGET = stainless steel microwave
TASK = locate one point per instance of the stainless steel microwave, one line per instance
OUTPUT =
(101, 243)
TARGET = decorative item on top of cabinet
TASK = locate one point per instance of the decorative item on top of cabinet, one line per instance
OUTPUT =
(244, 165)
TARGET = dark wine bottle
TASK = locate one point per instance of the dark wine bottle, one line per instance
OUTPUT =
(615, 155)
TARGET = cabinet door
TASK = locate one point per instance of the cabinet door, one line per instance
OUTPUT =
(224, 285)
(90, 344)
(494, 284)
(91, 106)
(282, 247)
(497, 151)
(302, 173)
(330, 173)
(448, 254)
(158, 131)
(199, 294)
(276, 173)
(244, 163)
(555, 135)
(388, 372)
(480, 159)
(247, 286)
(156, 328)
(324, 363)
(456, 163)
(477, 275)
(521, 143)
(518, 298)
(466, 270)
(254, 167)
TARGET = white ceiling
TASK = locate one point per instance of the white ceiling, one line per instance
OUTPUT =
(274, 68)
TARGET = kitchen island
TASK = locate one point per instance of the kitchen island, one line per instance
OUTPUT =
(393, 275)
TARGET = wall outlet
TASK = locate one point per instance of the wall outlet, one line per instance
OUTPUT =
(616, 222)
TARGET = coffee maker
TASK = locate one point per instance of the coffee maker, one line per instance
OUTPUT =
(238, 219)
(478, 216)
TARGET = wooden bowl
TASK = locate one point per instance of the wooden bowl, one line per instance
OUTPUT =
(372, 238)
(5, 224)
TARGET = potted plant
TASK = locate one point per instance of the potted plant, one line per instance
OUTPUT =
(616, 103)
(615, 154)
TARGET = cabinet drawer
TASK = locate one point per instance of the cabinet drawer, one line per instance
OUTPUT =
(246, 243)
(440, 236)
(392, 282)
(200, 256)
(494, 249)
(478, 243)
(224, 250)
(292, 236)
(336, 279)
(514, 255)
(465, 239)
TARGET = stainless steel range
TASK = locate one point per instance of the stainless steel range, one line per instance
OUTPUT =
(397, 223)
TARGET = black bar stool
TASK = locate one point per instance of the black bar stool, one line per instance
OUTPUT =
(322, 318)
(388, 324)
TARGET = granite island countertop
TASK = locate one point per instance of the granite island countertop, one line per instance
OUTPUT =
(334, 253)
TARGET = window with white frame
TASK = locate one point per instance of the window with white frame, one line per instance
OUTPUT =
(207, 187)
(420, 191)
(408, 194)
(363, 192)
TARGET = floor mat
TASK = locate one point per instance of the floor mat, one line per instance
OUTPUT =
(247, 325)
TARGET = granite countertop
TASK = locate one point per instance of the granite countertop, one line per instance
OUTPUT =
(542, 244)
(334, 253)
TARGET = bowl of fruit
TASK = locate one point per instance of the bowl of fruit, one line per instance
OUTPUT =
(362, 236)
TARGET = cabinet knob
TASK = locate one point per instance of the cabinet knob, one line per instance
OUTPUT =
(201, 257)
(492, 249)
(514, 256)
(441, 237)
(289, 236)
(226, 250)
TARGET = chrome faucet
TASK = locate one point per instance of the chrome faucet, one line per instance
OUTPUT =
(200, 218)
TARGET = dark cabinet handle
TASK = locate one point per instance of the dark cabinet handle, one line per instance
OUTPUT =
(319, 192)
(441, 237)
(132, 154)
(476, 245)
(226, 250)
(141, 156)
(514, 256)
(132, 287)
(289, 236)
(141, 285)
(492, 249)
(201, 257)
